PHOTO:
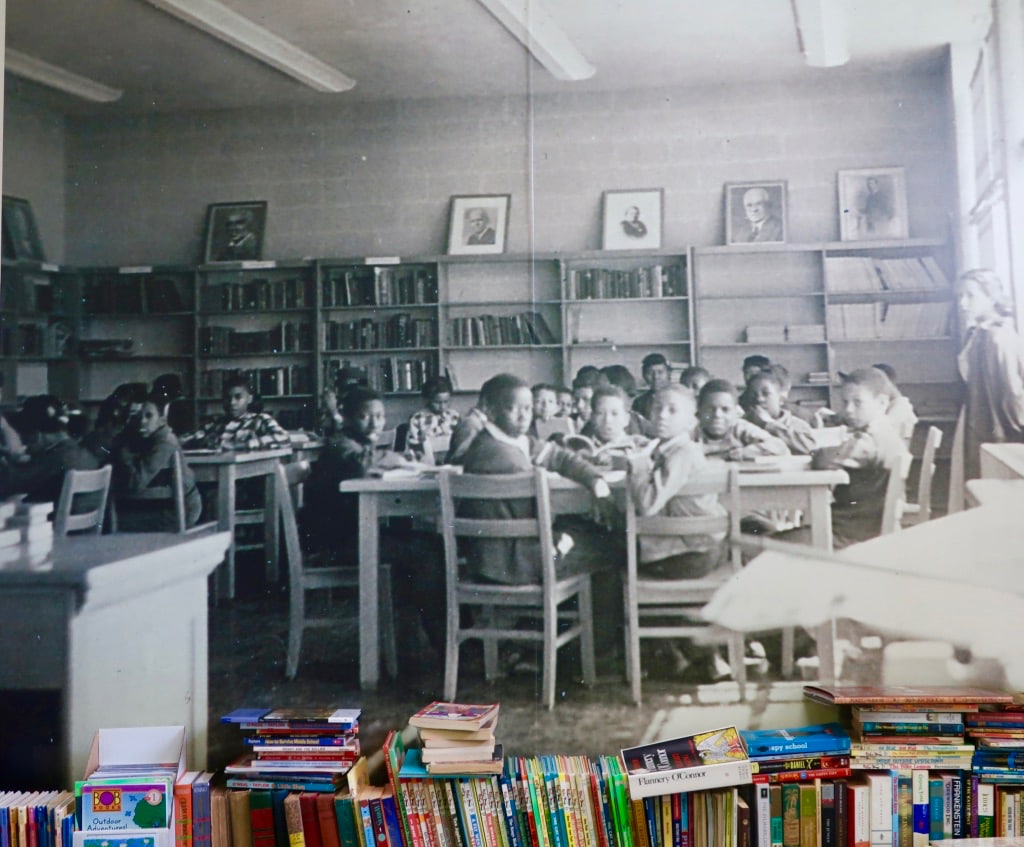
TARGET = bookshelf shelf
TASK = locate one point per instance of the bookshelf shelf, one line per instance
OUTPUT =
(474, 347)
(581, 301)
(610, 343)
(369, 351)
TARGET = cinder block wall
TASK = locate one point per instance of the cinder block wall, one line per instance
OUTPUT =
(357, 179)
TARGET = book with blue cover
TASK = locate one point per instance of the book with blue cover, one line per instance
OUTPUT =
(829, 738)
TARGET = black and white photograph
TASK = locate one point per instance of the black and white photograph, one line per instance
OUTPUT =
(755, 213)
(632, 219)
(607, 374)
(234, 231)
(872, 204)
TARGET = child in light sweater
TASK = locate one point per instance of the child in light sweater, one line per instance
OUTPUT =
(723, 434)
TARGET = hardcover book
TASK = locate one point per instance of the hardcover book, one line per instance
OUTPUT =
(828, 738)
(938, 694)
(713, 759)
(467, 716)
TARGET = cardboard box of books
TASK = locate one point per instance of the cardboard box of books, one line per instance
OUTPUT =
(127, 792)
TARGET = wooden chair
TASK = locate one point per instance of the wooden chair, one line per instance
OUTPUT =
(173, 492)
(387, 440)
(436, 449)
(921, 510)
(662, 608)
(306, 576)
(895, 496)
(496, 608)
(83, 502)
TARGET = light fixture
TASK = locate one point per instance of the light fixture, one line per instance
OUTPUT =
(530, 23)
(821, 27)
(227, 25)
(36, 70)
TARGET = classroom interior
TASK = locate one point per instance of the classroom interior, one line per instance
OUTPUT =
(685, 99)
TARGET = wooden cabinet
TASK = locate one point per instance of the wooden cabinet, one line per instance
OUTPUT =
(38, 329)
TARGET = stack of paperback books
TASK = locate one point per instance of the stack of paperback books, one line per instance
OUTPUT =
(821, 751)
(999, 736)
(305, 749)
(26, 532)
(458, 738)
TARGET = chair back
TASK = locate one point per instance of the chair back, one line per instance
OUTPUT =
(436, 448)
(387, 439)
(286, 476)
(296, 473)
(895, 495)
(83, 502)
(533, 486)
(924, 483)
(174, 493)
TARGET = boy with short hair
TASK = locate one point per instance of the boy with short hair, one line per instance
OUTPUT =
(753, 365)
(609, 427)
(239, 429)
(723, 434)
(545, 401)
(872, 450)
(564, 401)
(587, 379)
(436, 418)
(694, 378)
(656, 374)
(765, 409)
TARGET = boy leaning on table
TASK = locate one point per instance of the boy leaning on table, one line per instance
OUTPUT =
(238, 429)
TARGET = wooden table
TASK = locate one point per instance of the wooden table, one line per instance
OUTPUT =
(1002, 461)
(224, 469)
(118, 624)
(379, 498)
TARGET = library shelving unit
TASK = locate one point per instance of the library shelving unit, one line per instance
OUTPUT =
(380, 315)
(38, 329)
(259, 318)
(820, 309)
(501, 313)
(135, 324)
(618, 307)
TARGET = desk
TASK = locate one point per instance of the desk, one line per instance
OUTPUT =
(380, 498)
(1002, 461)
(225, 469)
(119, 625)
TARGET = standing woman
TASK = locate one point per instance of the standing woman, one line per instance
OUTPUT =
(992, 367)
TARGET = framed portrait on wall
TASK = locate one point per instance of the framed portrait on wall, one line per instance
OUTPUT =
(872, 204)
(632, 219)
(234, 231)
(755, 212)
(20, 234)
(478, 224)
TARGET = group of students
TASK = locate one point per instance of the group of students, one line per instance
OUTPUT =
(663, 436)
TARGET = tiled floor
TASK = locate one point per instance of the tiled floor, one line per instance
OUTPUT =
(247, 646)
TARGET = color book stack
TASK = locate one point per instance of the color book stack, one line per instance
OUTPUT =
(801, 754)
(999, 736)
(27, 533)
(45, 818)
(458, 738)
(304, 749)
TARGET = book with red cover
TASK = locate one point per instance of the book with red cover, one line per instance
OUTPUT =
(868, 694)
(261, 818)
(328, 820)
(469, 716)
(310, 819)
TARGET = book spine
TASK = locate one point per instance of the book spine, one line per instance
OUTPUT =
(293, 821)
(378, 826)
(261, 819)
(763, 810)
(366, 824)
(986, 810)
(890, 728)
(904, 810)
(508, 808)
(343, 812)
(183, 814)
(690, 779)
(310, 819)
(791, 815)
(470, 814)
(842, 813)
(202, 831)
(776, 823)
(326, 819)
(801, 763)
(958, 823)
(801, 776)
(392, 825)
(414, 813)
(828, 814)
(809, 832)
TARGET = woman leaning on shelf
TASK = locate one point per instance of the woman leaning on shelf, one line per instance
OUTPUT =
(992, 367)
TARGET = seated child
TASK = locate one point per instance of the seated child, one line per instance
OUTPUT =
(656, 476)
(620, 376)
(871, 451)
(656, 373)
(503, 447)
(694, 378)
(564, 402)
(765, 393)
(587, 379)
(468, 428)
(329, 520)
(144, 460)
(901, 411)
(753, 365)
(723, 434)
(435, 419)
(330, 416)
(609, 423)
(781, 373)
(238, 428)
(545, 410)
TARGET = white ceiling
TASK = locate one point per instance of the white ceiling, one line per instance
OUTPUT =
(437, 48)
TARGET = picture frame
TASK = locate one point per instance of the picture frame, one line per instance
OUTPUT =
(235, 231)
(756, 212)
(632, 219)
(20, 234)
(478, 224)
(872, 204)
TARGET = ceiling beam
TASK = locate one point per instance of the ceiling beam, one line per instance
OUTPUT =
(822, 31)
(52, 76)
(530, 23)
(228, 26)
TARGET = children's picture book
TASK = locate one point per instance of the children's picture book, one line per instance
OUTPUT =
(867, 694)
(467, 716)
(803, 740)
(713, 759)
(121, 807)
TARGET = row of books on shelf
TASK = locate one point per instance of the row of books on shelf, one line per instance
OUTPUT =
(782, 333)
(402, 330)
(134, 295)
(605, 284)
(494, 330)
(32, 293)
(38, 338)
(284, 337)
(258, 295)
(888, 320)
(855, 274)
(39, 818)
(379, 286)
(389, 374)
(281, 381)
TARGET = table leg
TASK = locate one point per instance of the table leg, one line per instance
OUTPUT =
(226, 521)
(271, 528)
(369, 560)
(821, 537)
